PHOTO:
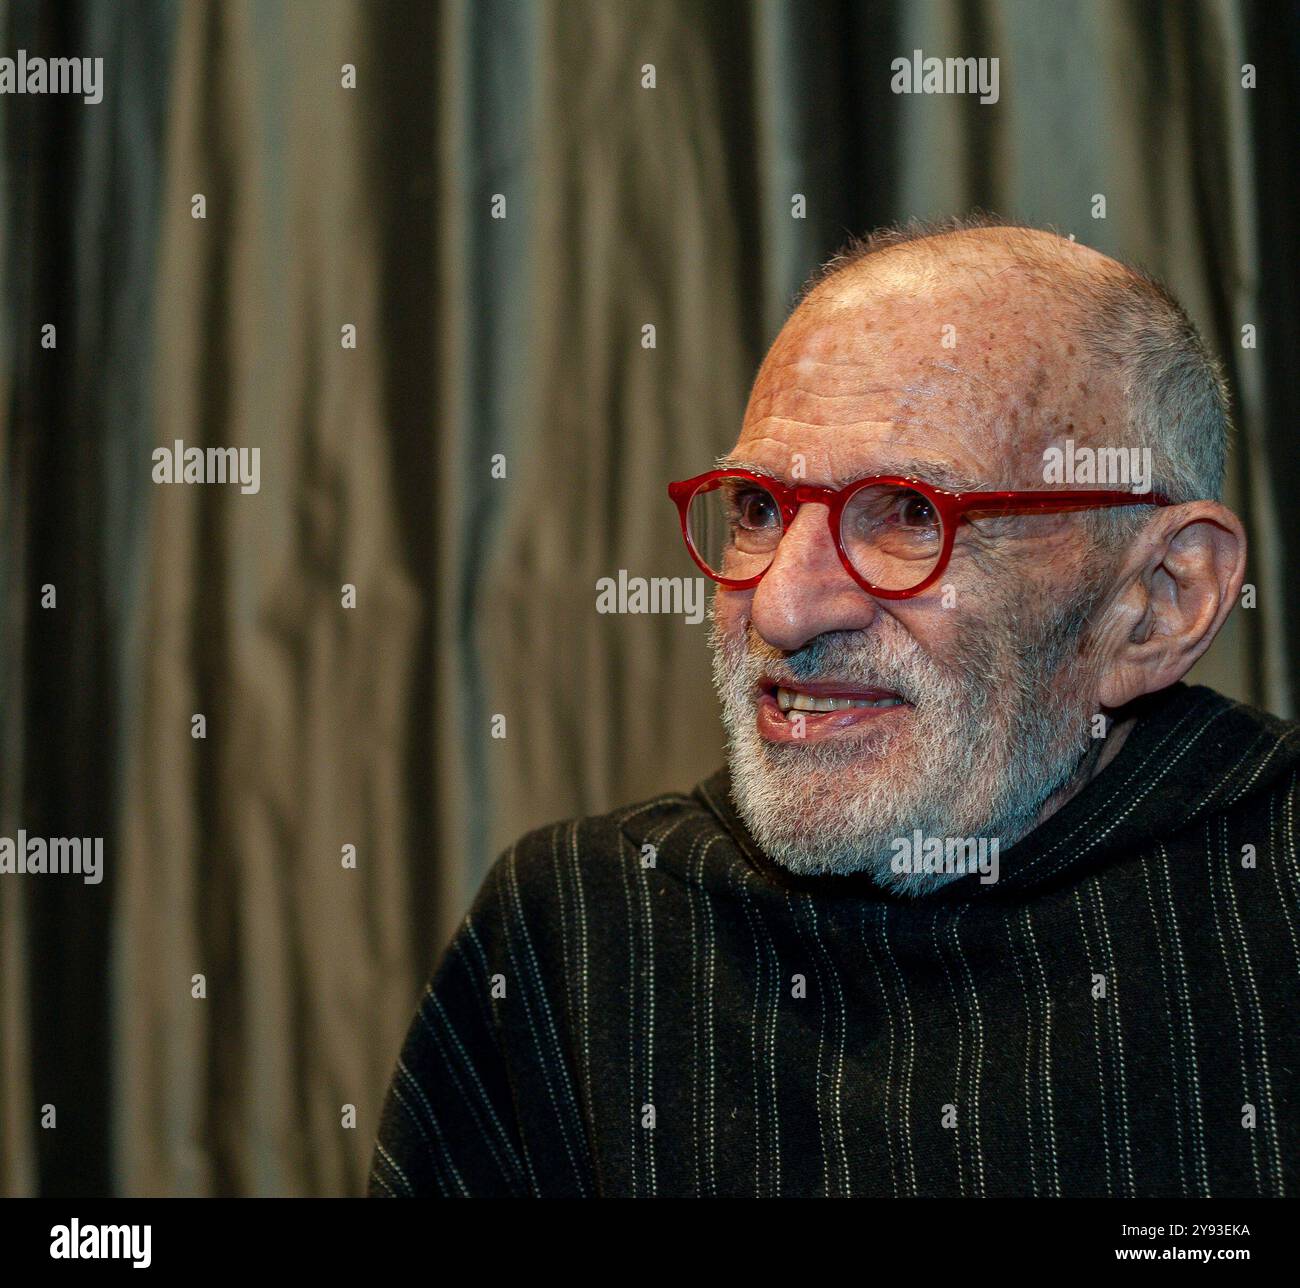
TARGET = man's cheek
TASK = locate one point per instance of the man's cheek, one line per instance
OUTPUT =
(731, 612)
(944, 630)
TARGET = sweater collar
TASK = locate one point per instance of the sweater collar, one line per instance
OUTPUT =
(1191, 753)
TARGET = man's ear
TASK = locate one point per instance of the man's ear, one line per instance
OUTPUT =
(1179, 581)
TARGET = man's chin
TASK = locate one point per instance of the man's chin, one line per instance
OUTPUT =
(818, 819)
(807, 854)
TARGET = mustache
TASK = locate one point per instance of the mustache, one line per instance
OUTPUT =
(849, 658)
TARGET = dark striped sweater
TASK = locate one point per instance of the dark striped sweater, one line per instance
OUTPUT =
(1117, 1015)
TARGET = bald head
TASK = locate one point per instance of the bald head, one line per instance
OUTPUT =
(968, 242)
(969, 336)
(1050, 338)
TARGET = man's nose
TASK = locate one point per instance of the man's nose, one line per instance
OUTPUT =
(806, 590)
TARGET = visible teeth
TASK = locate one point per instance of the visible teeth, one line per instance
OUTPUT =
(788, 700)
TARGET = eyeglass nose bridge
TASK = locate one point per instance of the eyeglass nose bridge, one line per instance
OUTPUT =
(791, 498)
(810, 492)
(797, 495)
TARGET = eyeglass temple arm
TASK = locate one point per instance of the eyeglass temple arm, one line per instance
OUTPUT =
(1053, 501)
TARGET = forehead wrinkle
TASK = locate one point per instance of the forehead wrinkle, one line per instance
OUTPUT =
(775, 364)
(813, 393)
(913, 424)
(904, 432)
(771, 397)
(892, 423)
(914, 387)
(907, 397)
(936, 472)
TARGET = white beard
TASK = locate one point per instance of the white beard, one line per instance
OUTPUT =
(978, 753)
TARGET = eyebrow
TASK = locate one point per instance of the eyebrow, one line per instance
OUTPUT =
(933, 472)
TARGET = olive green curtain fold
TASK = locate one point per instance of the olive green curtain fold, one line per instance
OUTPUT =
(564, 234)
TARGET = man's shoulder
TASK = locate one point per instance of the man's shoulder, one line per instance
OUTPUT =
(664, 833)
(1211, 749)
(1244, 714)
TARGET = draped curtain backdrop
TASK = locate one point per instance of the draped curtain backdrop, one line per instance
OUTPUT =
(478, 340)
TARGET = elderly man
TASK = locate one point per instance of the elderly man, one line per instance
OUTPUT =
(987, 901)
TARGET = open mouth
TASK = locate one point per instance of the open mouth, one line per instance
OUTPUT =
(811, 712)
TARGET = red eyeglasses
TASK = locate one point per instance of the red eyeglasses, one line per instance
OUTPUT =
(893, 535)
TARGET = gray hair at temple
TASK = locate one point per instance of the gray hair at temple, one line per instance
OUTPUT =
(1134, 329)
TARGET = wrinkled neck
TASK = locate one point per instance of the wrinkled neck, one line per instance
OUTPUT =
(1090, 766)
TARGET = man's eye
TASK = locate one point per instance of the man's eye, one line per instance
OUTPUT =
(915, 511)
(753, 508)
